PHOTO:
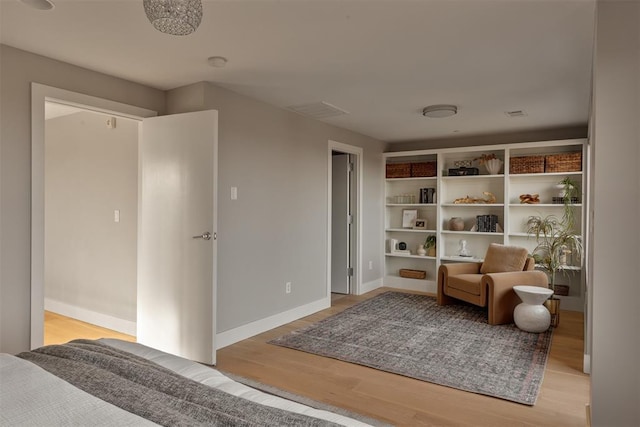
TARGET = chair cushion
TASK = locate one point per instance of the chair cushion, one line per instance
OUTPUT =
(469, 283)
(501, 258)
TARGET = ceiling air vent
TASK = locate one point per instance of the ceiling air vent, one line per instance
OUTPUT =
(515, 113)
(318, 110)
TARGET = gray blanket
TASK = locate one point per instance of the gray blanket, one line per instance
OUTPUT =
(146, 389)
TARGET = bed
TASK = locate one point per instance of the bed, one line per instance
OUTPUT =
(110, 382)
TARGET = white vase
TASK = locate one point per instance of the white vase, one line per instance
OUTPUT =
(493, 166)
(421, 250)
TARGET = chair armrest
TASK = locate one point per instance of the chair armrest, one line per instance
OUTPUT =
(446, 270)
(502, 299)
(514, 278)
(461, 268)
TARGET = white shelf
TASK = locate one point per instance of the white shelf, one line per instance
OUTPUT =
(458, 258)
(542, 174)
(408, 230)
(507, 189)
(454, 177)
(409, 256)
(523, 234)
(414, 205)
(473, 205)
(415, 178)
(474, 233)
(542, 205)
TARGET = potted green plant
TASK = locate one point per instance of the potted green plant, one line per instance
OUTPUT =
(554, 238)
(430, 245)
(570, 193)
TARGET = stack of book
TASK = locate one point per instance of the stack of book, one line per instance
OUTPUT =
(487, 223)
(427, 195)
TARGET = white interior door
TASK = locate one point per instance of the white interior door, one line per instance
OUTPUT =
(177, 271)
(340, 224)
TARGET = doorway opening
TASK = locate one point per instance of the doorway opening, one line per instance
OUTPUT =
(90, 216)
(63, 100)
(344, 219)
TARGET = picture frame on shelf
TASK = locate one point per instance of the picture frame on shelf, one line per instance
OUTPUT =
(409, 217)
(420, 224)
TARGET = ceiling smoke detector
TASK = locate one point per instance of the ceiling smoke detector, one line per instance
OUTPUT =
(440, 111)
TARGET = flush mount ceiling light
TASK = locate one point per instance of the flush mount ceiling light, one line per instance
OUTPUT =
(440, 111)
(38, 4)
(217, 61)
(175, 17)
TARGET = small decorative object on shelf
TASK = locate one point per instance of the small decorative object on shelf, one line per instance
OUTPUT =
(529, 199)
(563, 162)
(398, 170)
(491, 198)
(463, 251)
(420, 224)
(487, 223)
(409, 217)
(462, 171)
(491, 162)
(493, 166)
(421, 250)
(430, 245)
(423, 169)
(526, 164)
(456, 224)
(462, 163)
(412, 274)
(427, 195)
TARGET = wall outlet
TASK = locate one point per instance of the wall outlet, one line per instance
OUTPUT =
(287, 287)
(370, 265)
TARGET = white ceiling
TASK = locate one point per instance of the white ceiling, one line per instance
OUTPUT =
(382, 61)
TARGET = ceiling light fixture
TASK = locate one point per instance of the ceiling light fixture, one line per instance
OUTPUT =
(175, 17)
(440, 111)
(38, 4)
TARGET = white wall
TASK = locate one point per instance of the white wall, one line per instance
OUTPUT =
(19, 69)
(90, 171)
(277, 229)
(615, 360)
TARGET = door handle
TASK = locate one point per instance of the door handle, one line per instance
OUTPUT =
(204, 236)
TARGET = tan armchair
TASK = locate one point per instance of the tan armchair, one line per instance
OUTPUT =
(490, 283)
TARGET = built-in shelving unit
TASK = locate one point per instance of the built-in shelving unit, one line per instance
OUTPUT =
(495, 194)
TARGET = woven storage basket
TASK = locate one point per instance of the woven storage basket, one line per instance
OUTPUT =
(413, 274)
(398, 170)
(423, 169)
(526, 164)
(565, 162)
(561, 290)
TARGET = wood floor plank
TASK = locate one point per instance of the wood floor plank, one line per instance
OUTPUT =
(60, 329)
(392, 398)
(408, 402)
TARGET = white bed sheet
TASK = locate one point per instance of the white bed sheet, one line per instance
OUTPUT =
(31, 396)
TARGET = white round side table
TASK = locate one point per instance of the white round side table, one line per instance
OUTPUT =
(531, 315)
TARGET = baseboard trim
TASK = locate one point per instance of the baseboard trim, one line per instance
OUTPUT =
(428, 286)
(232, 336)
(586, 364)
(370, 286)
(99, 319)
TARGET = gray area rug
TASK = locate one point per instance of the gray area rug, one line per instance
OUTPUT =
(452, 345)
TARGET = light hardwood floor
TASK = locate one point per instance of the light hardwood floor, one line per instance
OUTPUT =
(59, 329)
(393, 398)
(407, 402)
